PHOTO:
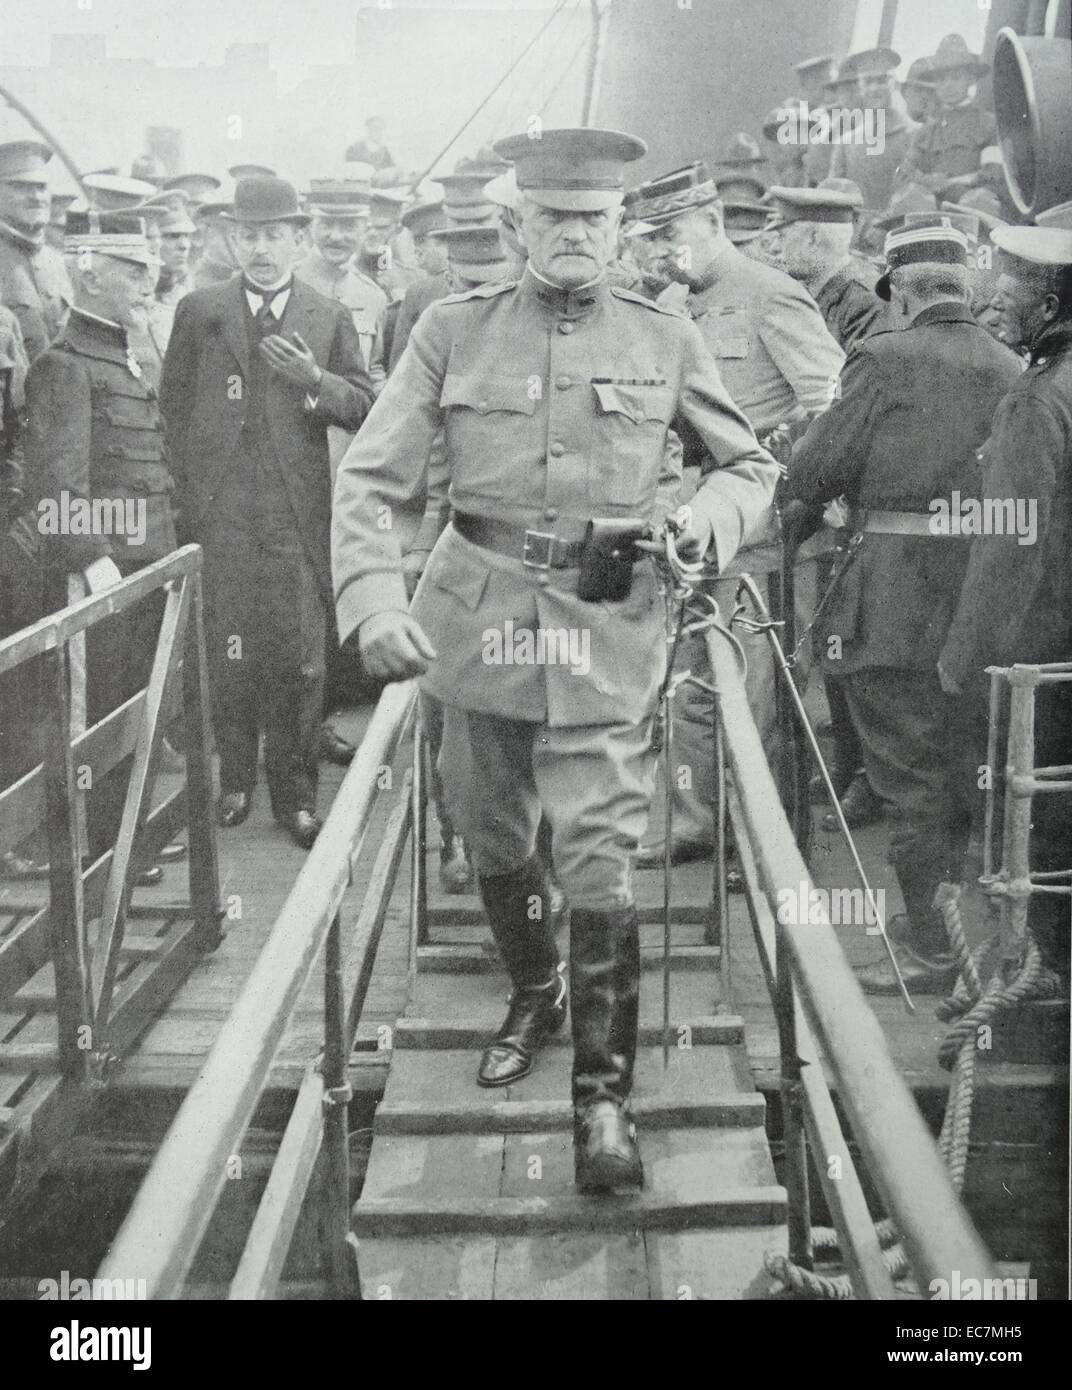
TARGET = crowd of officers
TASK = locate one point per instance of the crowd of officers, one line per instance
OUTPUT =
(797, 349)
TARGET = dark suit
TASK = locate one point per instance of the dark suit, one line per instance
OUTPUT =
(915, 405)
(250, 457)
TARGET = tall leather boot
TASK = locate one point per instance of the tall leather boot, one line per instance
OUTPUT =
(919, 940)
(605, 985)
(538, 1002)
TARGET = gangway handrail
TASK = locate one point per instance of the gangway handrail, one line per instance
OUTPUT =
(900, 1153)
(159, 1238)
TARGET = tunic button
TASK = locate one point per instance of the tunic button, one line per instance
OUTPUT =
(563, 383)
(557, 450)
(565, 327)
(543, 580)
(551, 514)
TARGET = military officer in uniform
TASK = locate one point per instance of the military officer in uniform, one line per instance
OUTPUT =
(33, 280)
(340, 213)
(918, 90)
(914, 407)
(431, 256)
(255, 372)
(780, 365)
(558, 394)
(1016, 601)
(95, 432)
(945, 154)
(874, 167)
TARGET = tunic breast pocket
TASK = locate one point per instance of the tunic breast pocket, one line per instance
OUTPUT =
(488, 429)
(627, 449)
(732, 334)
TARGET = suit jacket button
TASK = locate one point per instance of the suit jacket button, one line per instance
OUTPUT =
(563, 383)
(543, 580)
(557, 450)
(565, 327)
(551, 514)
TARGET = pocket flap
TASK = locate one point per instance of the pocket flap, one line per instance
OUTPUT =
(455, 574)
(639, 403)
(485, 394)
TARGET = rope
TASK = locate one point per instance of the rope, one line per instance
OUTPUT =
(973, 1007)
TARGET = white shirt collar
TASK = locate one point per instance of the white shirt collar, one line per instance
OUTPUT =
(278, 306)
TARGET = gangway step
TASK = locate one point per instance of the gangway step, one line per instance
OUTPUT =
(547, 1116)
(485, 959)
(423, 1033)
(396, 1217)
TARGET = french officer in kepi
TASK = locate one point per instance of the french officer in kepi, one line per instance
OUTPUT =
(558, 394)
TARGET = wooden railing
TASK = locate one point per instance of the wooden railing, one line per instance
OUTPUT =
(81, 929)
(813, 988)
(160, 1237)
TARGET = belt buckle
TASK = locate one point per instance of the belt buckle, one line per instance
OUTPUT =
(546, 540)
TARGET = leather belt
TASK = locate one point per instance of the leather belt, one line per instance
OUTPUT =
(878, 523)
(541, 550)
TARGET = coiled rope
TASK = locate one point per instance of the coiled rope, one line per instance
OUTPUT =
(973, 1007)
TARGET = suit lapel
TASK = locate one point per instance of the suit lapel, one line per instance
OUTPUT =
(234, 321)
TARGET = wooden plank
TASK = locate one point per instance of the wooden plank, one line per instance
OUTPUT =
(586, 1267)
(419, 1033)
(465, 1167)
(480, 999)
(40, 991)
(469, 960)
(543, 1116)
(28, 1056)
(440, 1268)
(515, 1216)
(727, 1264)
(260, 1267)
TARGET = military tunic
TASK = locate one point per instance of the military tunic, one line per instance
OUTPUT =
(1016, 601)
(949, 145)
(359, 293)
(874, 169)
(95, 433)
(850, 310)
(557, 406)
(35, 286)
(914, 407)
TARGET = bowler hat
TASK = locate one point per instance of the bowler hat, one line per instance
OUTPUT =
(264, 199)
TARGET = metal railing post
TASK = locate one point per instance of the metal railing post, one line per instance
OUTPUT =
(1016, 868)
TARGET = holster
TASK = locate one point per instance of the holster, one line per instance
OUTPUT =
(608, 558)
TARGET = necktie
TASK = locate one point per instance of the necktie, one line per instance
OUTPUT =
(266, 320)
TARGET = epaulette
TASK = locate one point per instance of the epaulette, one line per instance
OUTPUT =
(622, 293)
(480, 292)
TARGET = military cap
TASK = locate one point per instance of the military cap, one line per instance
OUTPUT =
(349, 198)
(847, 186)
(262, 199)
(810, 205)
(23, 161)
(777, 117)
(169, 213)
(739, 187)
(824, 62)
(661, 200)
(149, 168)
(741, 151)
(251, 171)
(744, 221)
(843, 77)
(572, 170)
(933, 242)
(117, 234)
(503, 191)
(1059, 215)
(424, 218)
(1048, 246)
(954, 55)
(199, 186)
(385, 205)
(114, 193)
(476, 253)
(985, 218)
(485, 161)
(920, 74)
(463, 196)
(869, 62)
